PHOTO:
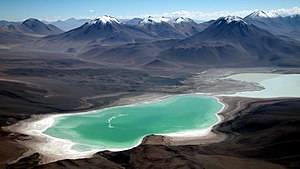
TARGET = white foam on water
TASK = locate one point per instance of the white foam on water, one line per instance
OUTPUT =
(113, 117)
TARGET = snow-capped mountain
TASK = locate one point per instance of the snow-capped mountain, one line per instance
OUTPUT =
(230, 20)
(276, 24)
(182, 20)
(105, 20)
(227, 28)
(262, 14)
(160, 27)
(265, 20)
(167, 27)
(187, 26)
(103, 30)
(155, 20)
(100, 26)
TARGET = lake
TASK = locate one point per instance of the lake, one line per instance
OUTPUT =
(275, 85)
(125, 126)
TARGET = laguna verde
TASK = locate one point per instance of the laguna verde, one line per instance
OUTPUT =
(124, 127)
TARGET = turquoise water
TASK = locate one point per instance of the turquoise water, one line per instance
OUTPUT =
(125, 126)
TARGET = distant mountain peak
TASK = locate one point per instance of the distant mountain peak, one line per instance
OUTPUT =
(295, 15)
(262, 14)
(31, 21)
(231, 19)
(35, 26)
(155, 20)
(104, 20)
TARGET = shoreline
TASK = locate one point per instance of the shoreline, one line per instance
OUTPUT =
(37, 124)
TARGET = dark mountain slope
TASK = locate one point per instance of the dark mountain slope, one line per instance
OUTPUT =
(35, 26)
(103, 30)
(232, 41)
(274, 23)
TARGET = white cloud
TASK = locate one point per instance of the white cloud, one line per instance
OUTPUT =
(291, 11)
(198, 15)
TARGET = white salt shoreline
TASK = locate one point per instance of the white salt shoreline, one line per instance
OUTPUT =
(54, 149)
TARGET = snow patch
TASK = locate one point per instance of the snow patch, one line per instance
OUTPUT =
(230, 19)
(105, 19)
(182, 19)
(263, 14)
(155, 20)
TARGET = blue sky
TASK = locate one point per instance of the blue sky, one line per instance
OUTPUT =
(197, 9)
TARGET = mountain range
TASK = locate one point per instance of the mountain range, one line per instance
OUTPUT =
(30, 26)
(27, 31)
(228, 41)
(231, 40)
(107, 30)
(259, 39)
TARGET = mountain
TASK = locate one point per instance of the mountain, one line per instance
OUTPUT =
(274, 23)
(293, 26)
(261, 15)
(233, 41)
(30, 26)
(132, 55)
(266, 20)
(102, 30)
(69, 24)
(160, 27)
(4, 23)
(35, 26)
(293, 20)
(109, 30)
(165, 27)
(188, 26)
(10, 36)
(12, 33)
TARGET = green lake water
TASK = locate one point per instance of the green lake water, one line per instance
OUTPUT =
(124, 126)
